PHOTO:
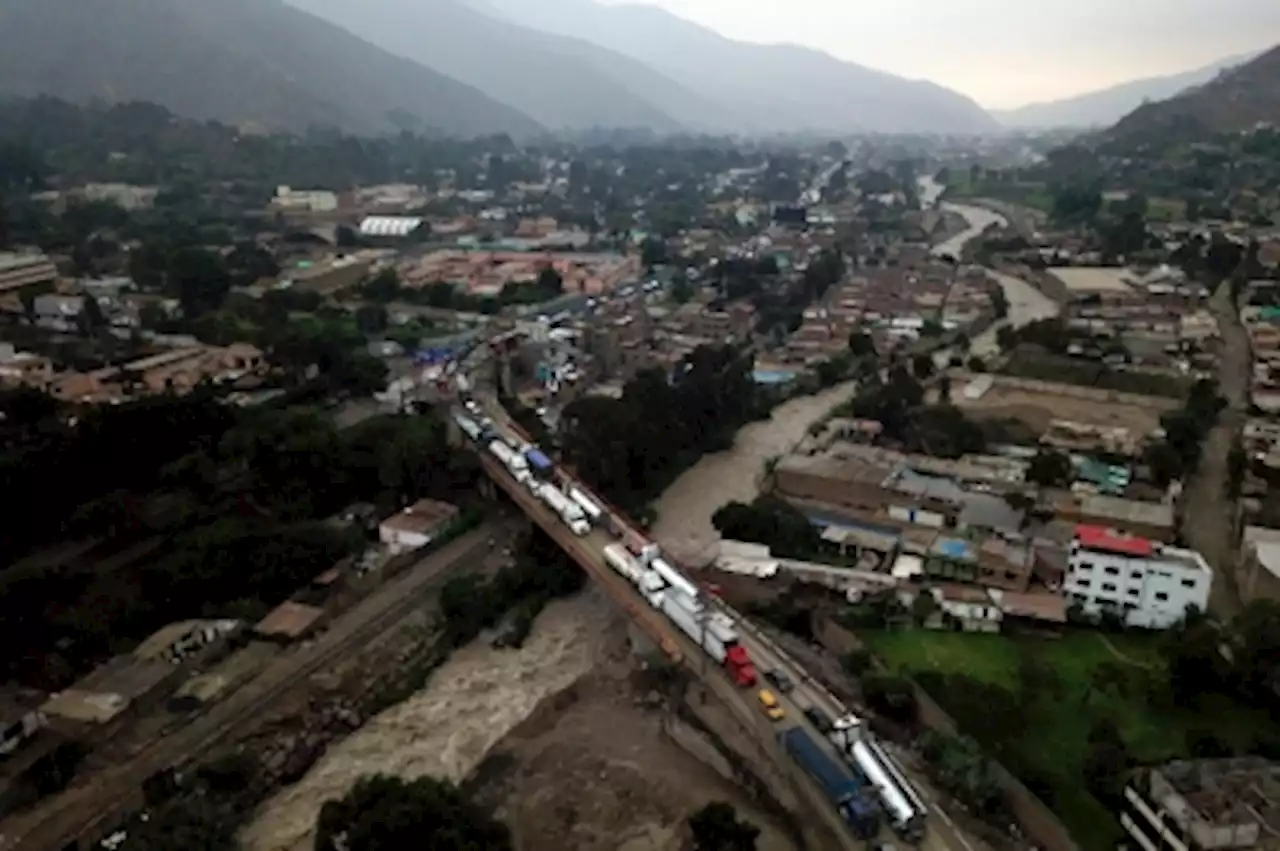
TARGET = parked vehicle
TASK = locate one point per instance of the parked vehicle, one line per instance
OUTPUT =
(771, 706)
(711, 631)
(780, 680)
(818, 719)
(850, 797)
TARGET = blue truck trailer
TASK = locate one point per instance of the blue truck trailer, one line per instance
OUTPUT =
(538, 460)
(848, 795)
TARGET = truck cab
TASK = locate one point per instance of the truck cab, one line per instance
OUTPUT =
(740, 666)
(771, 706)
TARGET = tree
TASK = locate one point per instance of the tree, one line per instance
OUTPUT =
(550, 283)
(1074, 204)
(891, 696)
(371, 319)
(345, 237)
(716, 827)
(199, 279)
(1050, 469)
(1255, 640)
(861, 345)
(653, 251)
(1106, 760)
(1223, 257)
(91, 318)
(944, 389)
(681, 289)
(385, 287)
(856, 662)
(383, 813)
(1194, 659)
(922, 367)
(976, 364)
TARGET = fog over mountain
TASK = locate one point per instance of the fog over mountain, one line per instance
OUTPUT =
(237, 61)
(1108, 106)
(564, 83)
(782, 87)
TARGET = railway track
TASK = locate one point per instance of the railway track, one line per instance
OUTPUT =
(82, 810)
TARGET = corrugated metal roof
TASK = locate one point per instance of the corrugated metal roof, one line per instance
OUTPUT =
(389, 225)
(1104, 539)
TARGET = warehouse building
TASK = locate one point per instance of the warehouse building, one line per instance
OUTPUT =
(416, 525)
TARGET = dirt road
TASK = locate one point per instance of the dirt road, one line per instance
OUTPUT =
(1208, 514)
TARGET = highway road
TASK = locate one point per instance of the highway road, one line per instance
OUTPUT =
(941, 834)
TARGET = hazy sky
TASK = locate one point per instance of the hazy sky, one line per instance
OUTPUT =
(1004, 53)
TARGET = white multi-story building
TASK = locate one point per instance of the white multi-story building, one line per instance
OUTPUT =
(309, 200)
(1149, 583)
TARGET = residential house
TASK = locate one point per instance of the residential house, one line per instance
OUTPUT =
(25, 272)
(1258, 574)
(58, 312)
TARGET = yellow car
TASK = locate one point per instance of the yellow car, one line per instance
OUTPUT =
(771, 706)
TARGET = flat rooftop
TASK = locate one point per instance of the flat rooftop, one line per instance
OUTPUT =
(108, 690)
(1157, 514)
(1083, 280)
(1242, 793)
(849, 470)
(288, 620)
(423, 516)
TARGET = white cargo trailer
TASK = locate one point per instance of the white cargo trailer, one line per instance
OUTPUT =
(674, 578)
(469, 426)
(622, 562)
(511, 459)
(594, 512)
(690, 625)
(905, 818)
(636, 573)
(568, 510)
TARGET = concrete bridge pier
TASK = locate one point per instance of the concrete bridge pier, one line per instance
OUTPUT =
(643, 646)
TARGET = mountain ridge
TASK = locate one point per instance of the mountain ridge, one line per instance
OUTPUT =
(241, 62)
(1237, 100)
(1101, 107)
(785, 86)
(562, 82)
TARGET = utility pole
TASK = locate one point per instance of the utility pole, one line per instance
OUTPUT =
(703, 614)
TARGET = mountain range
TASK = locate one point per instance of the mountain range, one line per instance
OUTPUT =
(778, 86)
(1107, 106)
(459, 67)
(1239, 99)
(473, 67)
(256, 62)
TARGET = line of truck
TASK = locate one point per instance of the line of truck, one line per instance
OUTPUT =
(680, 600)
(639, 561)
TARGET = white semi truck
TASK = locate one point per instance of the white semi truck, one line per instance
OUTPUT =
(570, 512)
(636, 573)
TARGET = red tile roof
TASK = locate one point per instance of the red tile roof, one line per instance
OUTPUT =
(1110, 541)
